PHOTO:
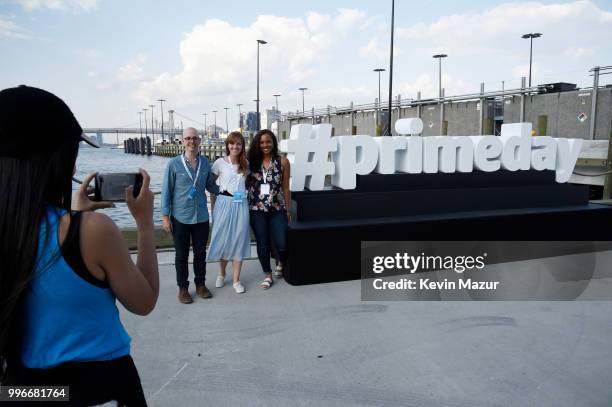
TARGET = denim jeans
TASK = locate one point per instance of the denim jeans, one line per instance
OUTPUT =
(184, 234)
(267, 227)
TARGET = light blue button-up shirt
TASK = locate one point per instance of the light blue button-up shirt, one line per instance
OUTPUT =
(175, 199)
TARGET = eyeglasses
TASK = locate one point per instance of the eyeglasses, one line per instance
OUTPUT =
(191, 138)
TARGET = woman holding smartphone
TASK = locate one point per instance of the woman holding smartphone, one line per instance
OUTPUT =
(269, 201)
(63, 266)
(230, 240)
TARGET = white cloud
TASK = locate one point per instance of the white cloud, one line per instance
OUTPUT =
(348, 18)
(8, 29)
(74, 6)
(519, 71)
(373, 49)
(492, 31)
(104, 86)
(132, 71)
(486, 45)
(429, 86)
(578, 52)
(219, 58)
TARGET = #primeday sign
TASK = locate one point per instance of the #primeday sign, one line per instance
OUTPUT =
(308, 149)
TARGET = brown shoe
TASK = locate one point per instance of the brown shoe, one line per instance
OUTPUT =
(203, 292)
(184, 297)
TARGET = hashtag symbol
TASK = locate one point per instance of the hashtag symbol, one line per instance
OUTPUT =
(308, 149)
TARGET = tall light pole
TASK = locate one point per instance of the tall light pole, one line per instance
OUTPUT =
(146, 131)
(258, 120)
(388, 131)
(140, 121)
(205, 129)
(215, 129)
(226, 122)
(161, 107)
(239, 117)
(152, 124)
(171, 125)
(303, 108)
(379, 70)
(531, 36)
(276, 97)
(439, 58)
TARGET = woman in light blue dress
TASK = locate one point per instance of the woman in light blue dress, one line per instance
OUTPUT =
(231, 240)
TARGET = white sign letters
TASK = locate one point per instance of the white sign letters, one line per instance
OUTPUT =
(309, 149)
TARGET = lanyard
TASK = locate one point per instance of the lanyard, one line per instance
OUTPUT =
(189, 173)
(264, 172)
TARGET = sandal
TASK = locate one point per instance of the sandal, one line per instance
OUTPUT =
(278, 272)
(266, 283)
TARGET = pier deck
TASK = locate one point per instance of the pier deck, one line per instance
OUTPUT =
(319, 345)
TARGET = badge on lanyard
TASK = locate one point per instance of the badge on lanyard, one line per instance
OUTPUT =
(264, 187)
(238, 197)
(192, 190)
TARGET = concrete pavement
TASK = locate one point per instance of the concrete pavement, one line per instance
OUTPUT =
(320, 345)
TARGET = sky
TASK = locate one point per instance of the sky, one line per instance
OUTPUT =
(109, 59)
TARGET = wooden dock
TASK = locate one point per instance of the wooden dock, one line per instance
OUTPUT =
(212, 152)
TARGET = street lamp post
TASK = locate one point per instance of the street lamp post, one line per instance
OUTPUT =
(379, 70)
(303, 108)
(205, 129)
(226, 122)
(152, 124)
(215, 128)
(140, 121)
(161, 108)
(388, 131)
(257, 123)
(439, 58)
(531, 36)
(258, 120)
(146, 130)
(239, 117)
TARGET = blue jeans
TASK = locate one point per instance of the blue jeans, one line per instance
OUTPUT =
(269, 227)
(184, 234)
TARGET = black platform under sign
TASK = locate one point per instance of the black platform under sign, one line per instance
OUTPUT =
(328, 226)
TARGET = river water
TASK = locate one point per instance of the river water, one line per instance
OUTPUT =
(107, 159)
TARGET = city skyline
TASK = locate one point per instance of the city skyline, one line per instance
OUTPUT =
(109, 60)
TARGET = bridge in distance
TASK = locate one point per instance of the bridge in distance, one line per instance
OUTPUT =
(128, 130)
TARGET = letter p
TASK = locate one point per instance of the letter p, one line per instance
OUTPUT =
(355, 155)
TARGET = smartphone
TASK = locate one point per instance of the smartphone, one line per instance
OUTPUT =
(111, 186)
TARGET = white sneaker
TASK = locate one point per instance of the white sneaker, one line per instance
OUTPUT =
(220, 281)
(239, 288)
(278, 272)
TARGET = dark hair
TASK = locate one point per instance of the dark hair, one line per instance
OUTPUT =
(255, 155)
(29, 186)
(233, 137)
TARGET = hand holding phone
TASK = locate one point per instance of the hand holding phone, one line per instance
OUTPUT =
(141, 204)
(84, 199)
(111, 187)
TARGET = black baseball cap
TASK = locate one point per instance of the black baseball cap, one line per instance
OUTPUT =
(34, 121)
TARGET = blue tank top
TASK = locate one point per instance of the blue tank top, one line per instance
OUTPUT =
(65, 318)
